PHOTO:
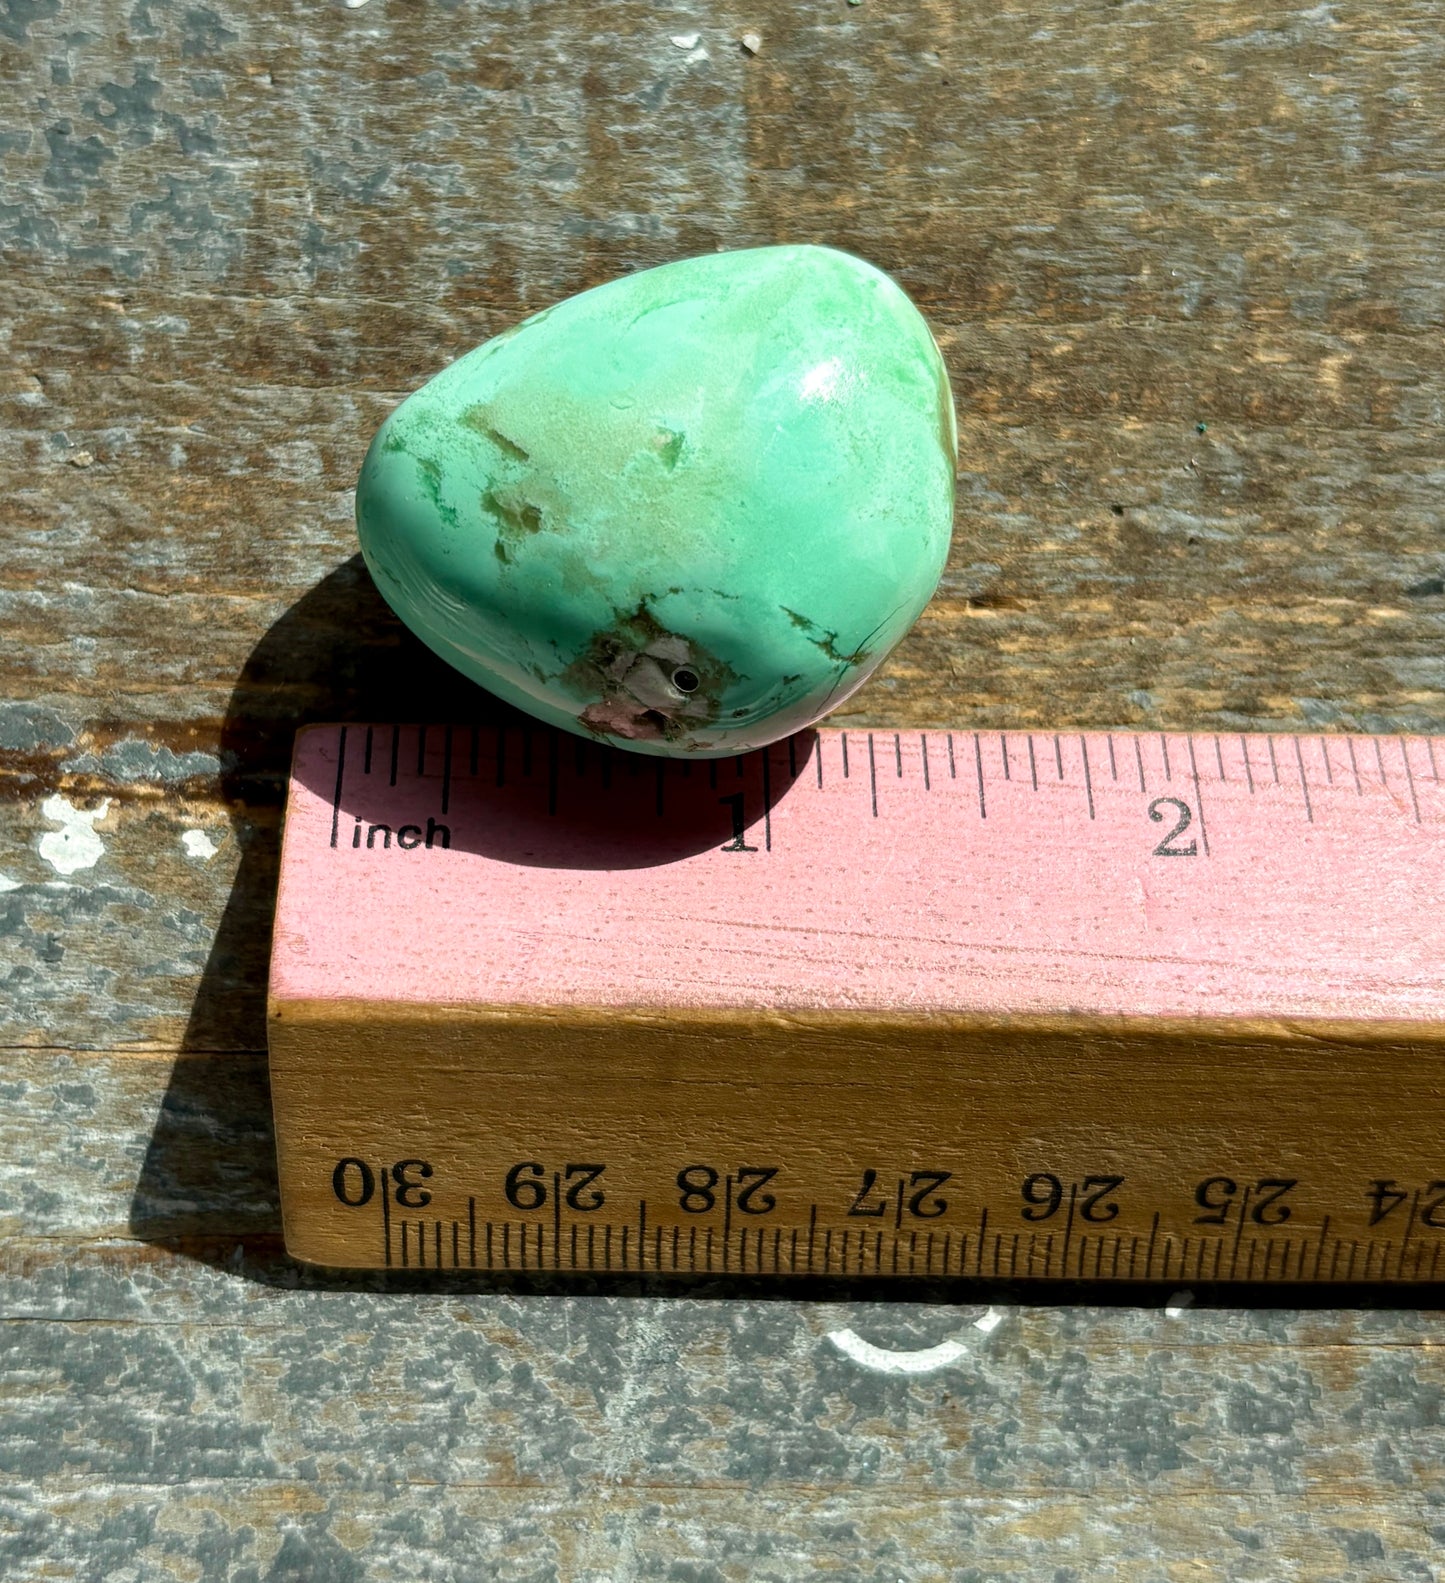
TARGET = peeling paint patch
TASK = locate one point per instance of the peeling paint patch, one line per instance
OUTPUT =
(30, 728)
(136, 760)
(6, 883)
(199, 845)
(882, 1360)
(75, 845)
(988, 1322)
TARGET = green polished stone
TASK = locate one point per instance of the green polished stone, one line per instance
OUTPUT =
(686, 512)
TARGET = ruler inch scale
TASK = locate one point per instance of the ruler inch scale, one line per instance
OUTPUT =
(1099, 1006)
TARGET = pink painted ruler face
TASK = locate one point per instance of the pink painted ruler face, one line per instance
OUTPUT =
(1143, 875)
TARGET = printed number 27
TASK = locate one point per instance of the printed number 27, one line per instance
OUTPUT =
(1178, 811)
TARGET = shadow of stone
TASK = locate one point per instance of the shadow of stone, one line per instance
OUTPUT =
(533, 797)
(208, 1179)
(207, 1184)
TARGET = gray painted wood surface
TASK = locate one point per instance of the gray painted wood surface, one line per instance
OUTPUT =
(1185, 263)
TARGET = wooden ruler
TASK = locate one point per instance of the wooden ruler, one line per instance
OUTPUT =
(1098, 1006)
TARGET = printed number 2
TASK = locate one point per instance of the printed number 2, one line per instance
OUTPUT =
(1166, 847)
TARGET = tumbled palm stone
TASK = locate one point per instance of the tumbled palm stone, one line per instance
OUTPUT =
(686, 512)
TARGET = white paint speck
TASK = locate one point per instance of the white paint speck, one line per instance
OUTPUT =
(198, 844)
(353, 5)
(700, 53)
(75, 845)
(880, 1360)
(989, 1322)
(686, 40)
(751, 42)
(1177, 1304)
(6, 883)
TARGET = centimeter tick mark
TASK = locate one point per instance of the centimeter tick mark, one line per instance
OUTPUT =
(923, 749)
(978, 761)
(1139, 760)
(872, 775)
(1033, 763)
(385, 1216)
(1088, 778)
(1248, 768)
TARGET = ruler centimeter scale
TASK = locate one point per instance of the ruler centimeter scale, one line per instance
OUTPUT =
(1099, 1006)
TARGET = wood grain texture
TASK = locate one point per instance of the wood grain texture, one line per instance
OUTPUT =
(233, 235)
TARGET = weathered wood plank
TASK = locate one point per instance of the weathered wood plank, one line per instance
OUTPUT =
(1147, 1399)
(1105, 218)
(231, 236)
(147, 1387)
(328, 1533)
(100, 1145)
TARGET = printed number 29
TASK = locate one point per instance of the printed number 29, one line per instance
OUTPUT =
(1163, 808)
